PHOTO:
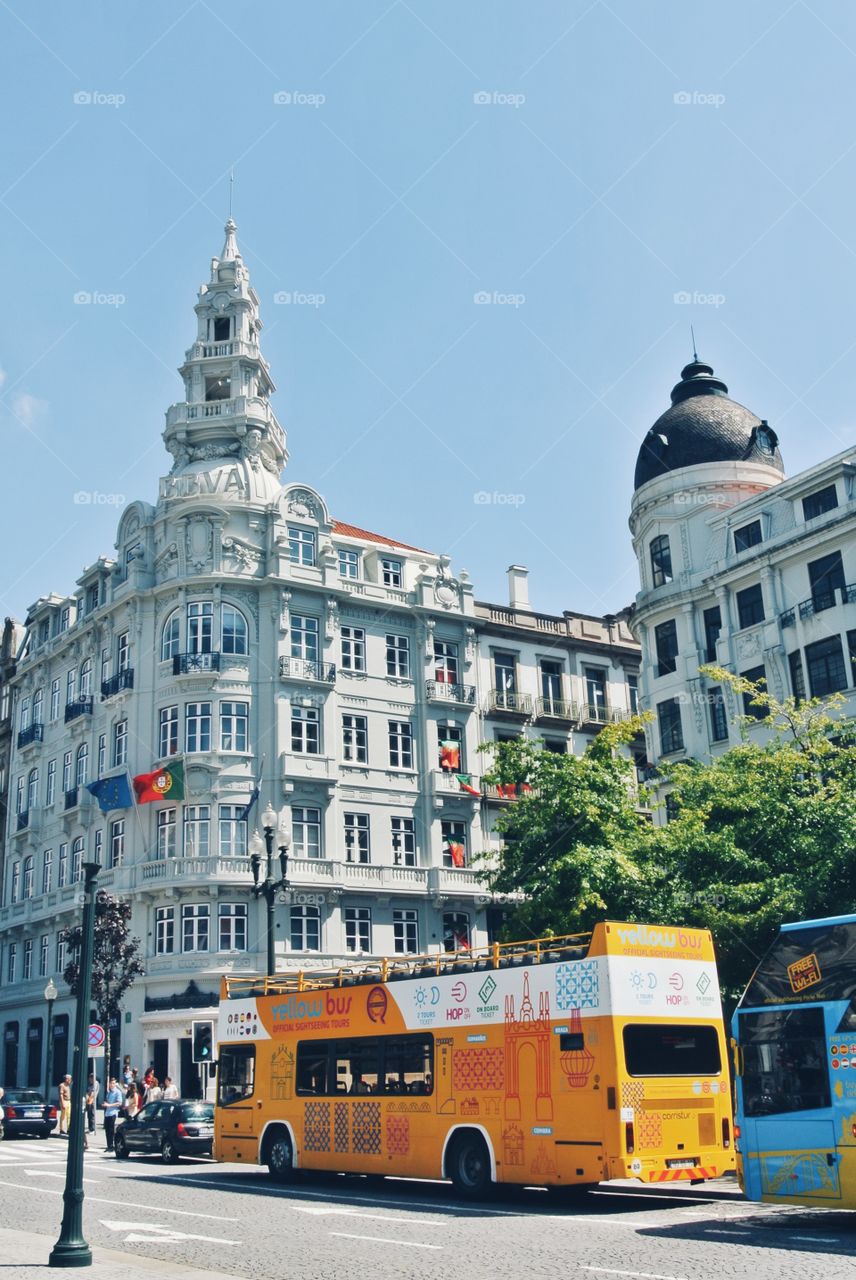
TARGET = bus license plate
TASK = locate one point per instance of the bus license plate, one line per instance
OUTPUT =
(680, 1164)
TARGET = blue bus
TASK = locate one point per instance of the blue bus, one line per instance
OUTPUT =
(795, 1059)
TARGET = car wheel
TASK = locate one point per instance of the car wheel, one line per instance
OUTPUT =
(120, 1148)
(469, 1166)
(169, 1155)
(280, 1156)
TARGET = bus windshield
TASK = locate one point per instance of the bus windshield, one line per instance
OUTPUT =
(784, 1061)
(651, 1050)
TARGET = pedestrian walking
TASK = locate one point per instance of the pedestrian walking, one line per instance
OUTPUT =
(132, 1100)
(65, 1105)
(154, 1093)
(92, 1101)
(170, 1090)
(113, 1100)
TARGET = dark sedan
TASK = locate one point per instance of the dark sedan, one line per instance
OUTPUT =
(26, 1112)
(168, 1129)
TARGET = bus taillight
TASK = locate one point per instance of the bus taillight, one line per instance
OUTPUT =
(629, 1138)
(726, 1133)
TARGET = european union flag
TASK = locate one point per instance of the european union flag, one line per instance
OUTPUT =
(112, 793)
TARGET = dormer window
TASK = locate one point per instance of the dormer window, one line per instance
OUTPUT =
(218, 389)
(222, 328)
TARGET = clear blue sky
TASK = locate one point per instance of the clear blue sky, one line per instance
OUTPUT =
(581, 184)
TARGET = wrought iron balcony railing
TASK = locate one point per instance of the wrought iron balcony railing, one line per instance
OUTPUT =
(23, 820)
(450, 691)
(508, 703)
(72, 796)
(594, 713)
(307, 669)
(189, 663)
(79, 707)
(555, 709)
(819, 601)
(121, 680)
(33, 733)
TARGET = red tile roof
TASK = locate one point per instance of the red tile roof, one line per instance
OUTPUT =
(352, 531)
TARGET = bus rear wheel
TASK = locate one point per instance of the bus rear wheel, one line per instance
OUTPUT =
(280, 1155)
(469, 1166)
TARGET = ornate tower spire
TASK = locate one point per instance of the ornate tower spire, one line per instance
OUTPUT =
(226, 411)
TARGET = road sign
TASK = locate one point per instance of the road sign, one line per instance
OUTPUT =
(96, 1036)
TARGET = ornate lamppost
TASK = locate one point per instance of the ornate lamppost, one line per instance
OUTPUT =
(270, 886)
(71, 1249)
(51, 994)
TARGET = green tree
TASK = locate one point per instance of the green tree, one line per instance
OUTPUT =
(575, 840)
(116, 962)
(764, 833)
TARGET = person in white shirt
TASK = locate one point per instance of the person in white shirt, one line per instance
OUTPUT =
(154, 1093)
(170, 1090)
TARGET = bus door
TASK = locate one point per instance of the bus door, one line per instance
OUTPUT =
(788, 1134)
(238, 1107)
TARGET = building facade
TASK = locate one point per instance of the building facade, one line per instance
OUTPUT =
(346, 677)
(739, 567)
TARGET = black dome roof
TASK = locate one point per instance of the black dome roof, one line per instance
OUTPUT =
(703, 425)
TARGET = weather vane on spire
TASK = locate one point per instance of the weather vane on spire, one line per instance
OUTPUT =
(692, 335)
(231, 187)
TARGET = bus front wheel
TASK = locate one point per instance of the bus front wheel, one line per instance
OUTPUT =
(468, 1165)
(279, 1157)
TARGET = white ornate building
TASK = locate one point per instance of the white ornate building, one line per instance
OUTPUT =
(244, 630)
(738, 566)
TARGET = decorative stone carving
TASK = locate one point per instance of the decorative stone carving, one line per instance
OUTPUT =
(284, 619)
(303, 504)
(239, 556)
(199, 542)
(748, 646)
(332, 618)
(447, 589)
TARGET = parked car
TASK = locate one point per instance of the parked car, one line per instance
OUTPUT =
(26, 1112)
(169, 1129)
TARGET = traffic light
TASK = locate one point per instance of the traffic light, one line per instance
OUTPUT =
(203, 1041)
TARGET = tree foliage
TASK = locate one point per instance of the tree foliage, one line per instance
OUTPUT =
(116, 962)
(764, 833)
(576, 843)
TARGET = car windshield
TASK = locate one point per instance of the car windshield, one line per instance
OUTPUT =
(198, 1111)
(25, 1097)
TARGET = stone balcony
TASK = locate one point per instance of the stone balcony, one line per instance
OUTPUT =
(251, 407)
(214, 869)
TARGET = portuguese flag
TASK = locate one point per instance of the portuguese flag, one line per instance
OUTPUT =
(450, 756)
(457, 853)
(163, 784)
(465, 782)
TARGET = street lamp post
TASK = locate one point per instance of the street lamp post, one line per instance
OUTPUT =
(51, 994)
(71, 1249)
(270, 886)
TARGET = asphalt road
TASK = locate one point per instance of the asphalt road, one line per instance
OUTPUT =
(232, 1219)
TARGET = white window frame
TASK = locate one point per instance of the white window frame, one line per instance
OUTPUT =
(400, 739)
(358, 929)
(353, 648)
(397, 656)
(302, 546)
(360, 849)
(391, 572)
(167, 828)
(305, 730)
(355, 739)
(234, 726)
(197, 727)
(232, 926)
(405, 931)
(120, 743)
(300, 925)
(195, 927)
(306, 832)
(196, 830)
(349, 563)
(165, 931)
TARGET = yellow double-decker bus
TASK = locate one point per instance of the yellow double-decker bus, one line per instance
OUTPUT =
(563, 1062)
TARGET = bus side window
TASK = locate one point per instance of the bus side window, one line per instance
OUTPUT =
(312, 1067)
(235, 1073)
(571, 1040)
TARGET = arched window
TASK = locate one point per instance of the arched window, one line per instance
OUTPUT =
(27, 879)
(234, 630)
(38, 705)
(171, 637)
(86, 678)
(77, 860)
(32, 788)
(82, 765)
(661, 561)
